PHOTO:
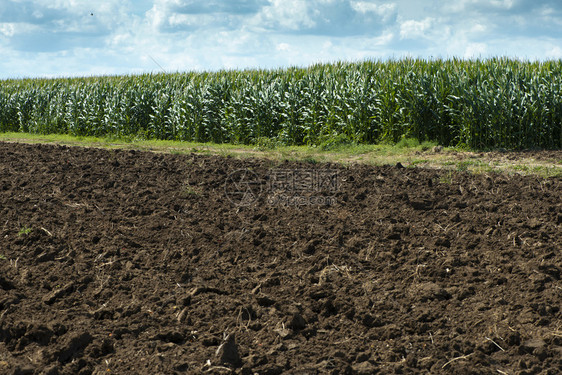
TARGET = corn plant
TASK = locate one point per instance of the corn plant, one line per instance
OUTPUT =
(475, 103)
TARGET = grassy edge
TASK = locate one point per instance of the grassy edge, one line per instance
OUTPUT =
(410, 154)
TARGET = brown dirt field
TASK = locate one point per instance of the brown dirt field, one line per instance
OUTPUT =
(129, 262)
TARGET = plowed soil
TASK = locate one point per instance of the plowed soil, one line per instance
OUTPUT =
(129, 262)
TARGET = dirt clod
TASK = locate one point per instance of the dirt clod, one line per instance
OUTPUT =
(227, 353)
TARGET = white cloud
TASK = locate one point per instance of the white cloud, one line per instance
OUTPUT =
(504, 4)
(61, 37)
(340, 18)
(466, 5)
(7, 29)
(412, 29)
(287, 14)
(283, 47)
(478, 28)
(554, 53)
(475, 50)
(383, 10)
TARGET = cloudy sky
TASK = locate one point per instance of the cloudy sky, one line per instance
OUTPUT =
(53, 38)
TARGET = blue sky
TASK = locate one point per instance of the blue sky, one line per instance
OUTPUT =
(54, 38)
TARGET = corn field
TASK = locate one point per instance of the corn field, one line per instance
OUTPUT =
(481, 104)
